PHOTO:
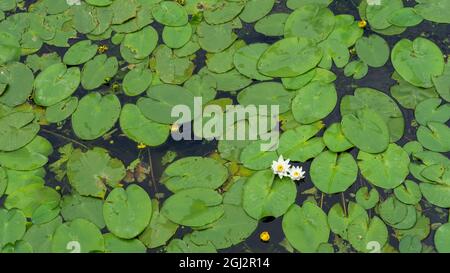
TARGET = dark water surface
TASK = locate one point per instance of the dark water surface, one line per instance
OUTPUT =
(378, 78)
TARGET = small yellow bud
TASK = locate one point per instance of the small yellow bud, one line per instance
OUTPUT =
(362, 23)
(102, 49)
(264, 236)
(141, 146)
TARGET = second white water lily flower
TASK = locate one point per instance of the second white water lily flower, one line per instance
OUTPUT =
(296, 173)
(281, 167)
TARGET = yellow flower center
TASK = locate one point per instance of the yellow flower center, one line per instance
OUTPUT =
(264, 236)
(280, 168)
(296, 174)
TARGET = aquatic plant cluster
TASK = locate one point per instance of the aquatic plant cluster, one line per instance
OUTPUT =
(90, 72)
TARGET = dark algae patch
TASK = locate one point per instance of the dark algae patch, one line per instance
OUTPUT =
(89, 155)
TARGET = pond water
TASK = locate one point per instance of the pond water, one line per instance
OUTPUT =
(121, 147)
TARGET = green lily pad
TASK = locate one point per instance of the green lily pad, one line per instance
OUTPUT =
(139, 44)
(159, 230)
(435, 137)
(373, 50)
(386, 170)
(378, 14)
(306, 227)
(9, 48)
(136, 81)
(76, 206)
(80, 53)
(56, 83)
(255, 158)
(432, 110)
(171, 69)
(160, 101)
(61, 110)
(335, 139)
(29, 198)
(177, 37)
(442, 83)
(202, 86)
(246, 60)
(223, 12)
(17, 80)
(12, 226)
(367, 98)
(435, 11)
(170, 13)
(40, 236)
(194, 172)
(267, 93)
(194, 207)
(314, 102)
(266, 195)
(333, 173)
(441, 238)
(300, 143)
(418, 61)
(409, 193)
(339, 220)
(362, 231)
(255, 10)
(367, 199)
(357, 69)
(140, 129)
(272, 25)
(32, 156)
(406, 17)
(295, 4)
(98, 70)
(393, 211)
(289, 57)
(78, 235)
(17, 130)
(127, 212)
(366, 130)
(90, 172)
(229, 81)
(95, 115)
(311, 22)
(114, 244)
(215, 38)
(409, 95)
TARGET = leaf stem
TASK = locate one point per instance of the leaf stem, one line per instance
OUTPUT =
(65, 138)
(150, 163)
(343, 204)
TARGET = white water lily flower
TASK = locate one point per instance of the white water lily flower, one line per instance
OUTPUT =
(73, 2)
(296, 173)
(281, 167)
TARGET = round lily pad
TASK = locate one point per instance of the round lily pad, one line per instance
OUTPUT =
(373, 50)
(314, 102)
(127, 212)
(289, 57)
(435, 137)
(418, 61)
(56, 83)
(339, 220)
(306, 227)
(9, 48)
(267, 93)
(386, 170)
(194, 172)
(140, 129)
(79, 236)
(90, 172)
(335, 139)
(95, 115)
(136, 81)
(80, 53)
(194, 207)
(310, 21)
(61, 110)
(333, 173)
(266, 195)
(362, 231)
(246, 60)
(170, 13)
(12, 226)
(18, 129)
(366, 130)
